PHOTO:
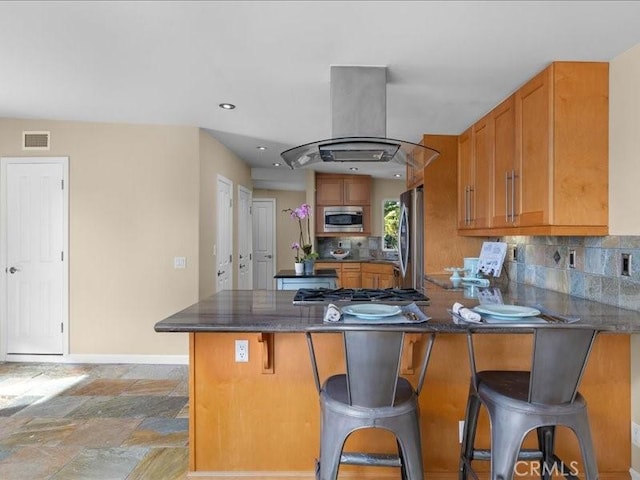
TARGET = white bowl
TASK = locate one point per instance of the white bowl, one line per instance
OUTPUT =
(339, 256)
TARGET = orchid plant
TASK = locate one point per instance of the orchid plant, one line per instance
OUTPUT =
(300, 214)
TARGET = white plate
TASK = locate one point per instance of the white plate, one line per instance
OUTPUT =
(507, 311)
(370, 311)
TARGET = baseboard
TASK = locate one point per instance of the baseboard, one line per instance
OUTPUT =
(634, 475)
(112, 358)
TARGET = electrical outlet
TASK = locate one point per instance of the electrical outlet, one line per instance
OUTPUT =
(460, 430)
(515, 254)
(242, 350)
(572, 259)
(635, 434)
(625, 264)
(179, 262)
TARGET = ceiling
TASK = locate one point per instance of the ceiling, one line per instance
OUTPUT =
(166, 62)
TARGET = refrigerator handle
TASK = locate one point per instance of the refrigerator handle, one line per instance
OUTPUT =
(403, 240)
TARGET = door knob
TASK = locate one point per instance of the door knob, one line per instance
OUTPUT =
(268, 256)
(220, 272)
(13, 270)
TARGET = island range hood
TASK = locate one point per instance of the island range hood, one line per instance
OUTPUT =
(358, 124)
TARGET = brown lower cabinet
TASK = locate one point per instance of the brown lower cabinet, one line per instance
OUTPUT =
(377, 275)
(348, 273)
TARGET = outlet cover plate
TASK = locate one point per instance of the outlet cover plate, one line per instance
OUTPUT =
(635, 434)
(242, 351)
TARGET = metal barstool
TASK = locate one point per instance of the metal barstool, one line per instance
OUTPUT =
(370, 394)
(518, 402)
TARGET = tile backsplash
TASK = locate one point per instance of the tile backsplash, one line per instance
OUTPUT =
(362, 248)
(597, 271)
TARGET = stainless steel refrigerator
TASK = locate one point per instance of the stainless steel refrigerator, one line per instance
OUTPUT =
(411, 239)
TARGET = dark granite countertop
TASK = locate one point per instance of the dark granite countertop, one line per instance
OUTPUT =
(274, 311)
(318, 272)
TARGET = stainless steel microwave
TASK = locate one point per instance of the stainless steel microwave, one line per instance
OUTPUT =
(343, 219)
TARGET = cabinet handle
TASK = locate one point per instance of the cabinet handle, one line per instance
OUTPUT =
(507, 210)
(466, 205)
(513, 196)
(471, 217)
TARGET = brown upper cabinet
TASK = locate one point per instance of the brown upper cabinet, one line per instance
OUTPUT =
(475, 172)
(335, 190)
(546, 151)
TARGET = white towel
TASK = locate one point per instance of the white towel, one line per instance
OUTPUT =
(465, 313)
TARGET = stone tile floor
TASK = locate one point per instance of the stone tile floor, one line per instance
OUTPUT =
(93, 421)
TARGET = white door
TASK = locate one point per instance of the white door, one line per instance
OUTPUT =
(264, 241)
(35, 259)
(245, 240)
(225, 234)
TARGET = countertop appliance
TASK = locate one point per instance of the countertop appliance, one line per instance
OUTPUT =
(343, 219)
(399, 296)
(411, 239)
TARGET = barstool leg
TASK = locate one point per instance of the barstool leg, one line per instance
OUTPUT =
(469, 433)
(546, 443)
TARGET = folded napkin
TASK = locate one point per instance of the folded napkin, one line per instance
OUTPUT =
(332, 313)
(466, 314)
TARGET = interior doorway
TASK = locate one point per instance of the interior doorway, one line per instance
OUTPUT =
(34, 223)
(264, 242)
(224, 216)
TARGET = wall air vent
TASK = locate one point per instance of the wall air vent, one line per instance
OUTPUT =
(35, 140)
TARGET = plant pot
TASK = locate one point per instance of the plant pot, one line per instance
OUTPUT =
(299, 267)
(308, 266)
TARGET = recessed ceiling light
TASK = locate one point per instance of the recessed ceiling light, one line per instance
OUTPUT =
(227, 106)
(276, 164)
(353, 169)
(397, 175)
(261, 147)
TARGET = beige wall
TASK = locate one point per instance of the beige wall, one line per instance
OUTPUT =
(382, 189)
(624, 178)
(216, 159)
(133, 193)
(287, 230)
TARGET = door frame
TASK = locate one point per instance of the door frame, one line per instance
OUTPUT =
(4, 162)
(274, 237)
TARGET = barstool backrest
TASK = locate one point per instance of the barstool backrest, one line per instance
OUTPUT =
(373, 364)
(561, 354)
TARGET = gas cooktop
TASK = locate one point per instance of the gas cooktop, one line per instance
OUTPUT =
(328, 295)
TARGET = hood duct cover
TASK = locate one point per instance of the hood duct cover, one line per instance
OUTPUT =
(358, 124)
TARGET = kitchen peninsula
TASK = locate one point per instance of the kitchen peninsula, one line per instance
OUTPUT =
(263, 416)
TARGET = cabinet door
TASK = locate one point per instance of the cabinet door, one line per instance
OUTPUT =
(369, 280)
(506, 170)
(385, 281)
(533, 127)
(481, 194)
(357, 190)
(329, 191)
(351, 279)
(351, 275)
(465, 179)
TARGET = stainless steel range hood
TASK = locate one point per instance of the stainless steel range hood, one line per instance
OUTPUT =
(358, 124)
